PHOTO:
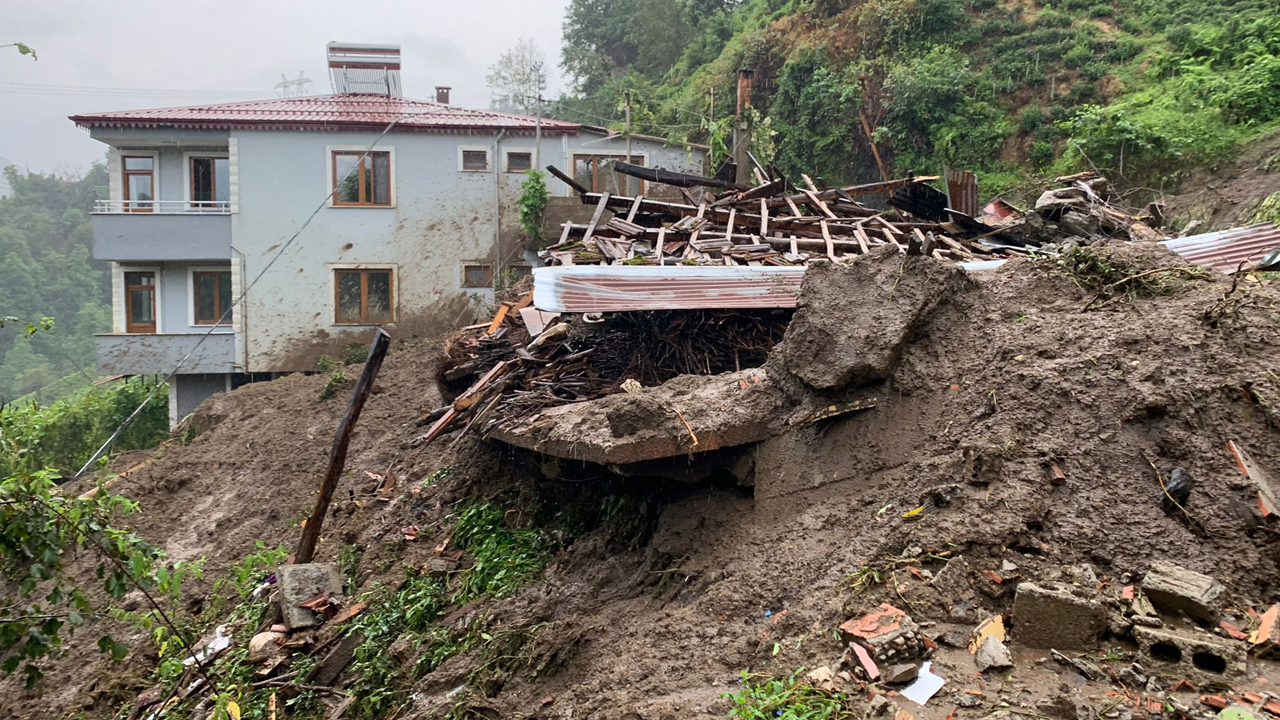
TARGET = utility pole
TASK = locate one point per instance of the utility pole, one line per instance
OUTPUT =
(711, 125)
(627, 95)
(742, 131)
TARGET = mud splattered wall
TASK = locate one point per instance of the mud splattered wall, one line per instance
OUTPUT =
(442, 218)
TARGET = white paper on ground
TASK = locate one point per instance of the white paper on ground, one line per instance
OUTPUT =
(926, 685)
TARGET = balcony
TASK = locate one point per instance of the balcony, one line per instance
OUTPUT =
(157, 230)
(159, 353)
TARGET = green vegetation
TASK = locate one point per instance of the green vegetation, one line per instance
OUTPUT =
(41, 531)
(61, 437)
(46, 272)
(533, 205)
(789, 698)
(1142, 90)
(503, 558)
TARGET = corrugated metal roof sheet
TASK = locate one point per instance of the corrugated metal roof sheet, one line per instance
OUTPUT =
(323, 111)
(612, 288)
(1226, 249)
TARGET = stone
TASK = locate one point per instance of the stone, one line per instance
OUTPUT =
(823, 678)
(992, 654)
(265, 646)
(1194, 655)
(901, 673)
(300, 583)
(828, 348)
(879, 705)
(1049, 616)
(1173, 588)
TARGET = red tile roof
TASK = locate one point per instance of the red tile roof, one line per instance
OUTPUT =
(324, 112)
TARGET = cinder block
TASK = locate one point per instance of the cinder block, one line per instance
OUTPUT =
(1173, 588)
(1049, 616)
(1195, 655)
(300, 583)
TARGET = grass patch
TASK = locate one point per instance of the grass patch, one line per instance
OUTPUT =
(789, 698)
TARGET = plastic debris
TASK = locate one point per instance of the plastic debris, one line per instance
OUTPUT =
(926, 685)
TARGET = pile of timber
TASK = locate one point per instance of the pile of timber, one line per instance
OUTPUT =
(772, 223)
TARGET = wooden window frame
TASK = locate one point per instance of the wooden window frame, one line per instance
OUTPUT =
(191, 179)
(488, 283)
(597, 157)
(193, 276)
(364, 271)
(364, 156)
(126, 173)
(506, 159)
(130, 327)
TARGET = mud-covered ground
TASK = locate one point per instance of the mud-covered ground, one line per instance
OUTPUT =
(997, 379)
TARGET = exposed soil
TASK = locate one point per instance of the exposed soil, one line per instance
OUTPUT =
(1228, 196)
(998, 379)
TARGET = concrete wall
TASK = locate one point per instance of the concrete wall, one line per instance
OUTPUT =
(159, 354)
(186, 392)
(443, 218)
(157, 236)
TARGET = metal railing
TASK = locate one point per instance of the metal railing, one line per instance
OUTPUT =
(171, 207)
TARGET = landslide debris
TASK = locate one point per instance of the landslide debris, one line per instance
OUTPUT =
(1020, 437)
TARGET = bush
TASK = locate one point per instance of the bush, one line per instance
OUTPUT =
(64, 435)
(1101, 10)
(1053, 19)
(1078, 56)
(1032, 118)
(1041, 153)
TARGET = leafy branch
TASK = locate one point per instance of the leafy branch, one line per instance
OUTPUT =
(23, 49)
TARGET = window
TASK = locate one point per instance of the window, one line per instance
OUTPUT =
(519, 161)
(139, 183)
(474, 160)
(477, 276)
(210, 183)
(211, 295)
(362, 179)
(140, 301)
(519, 272)
(363, 297)
(596, 172)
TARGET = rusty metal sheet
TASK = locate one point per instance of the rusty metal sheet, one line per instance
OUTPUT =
(323, 111)
(613, 288)
(1225, 250)
(962, 191)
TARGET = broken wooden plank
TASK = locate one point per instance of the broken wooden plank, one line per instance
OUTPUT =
(635, 208)
(498, 317)
(578, 188)
(595, 218)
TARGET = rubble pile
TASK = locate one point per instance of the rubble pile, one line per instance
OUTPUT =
(776, 224)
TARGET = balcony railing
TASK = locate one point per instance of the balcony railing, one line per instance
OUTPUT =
(162, 207)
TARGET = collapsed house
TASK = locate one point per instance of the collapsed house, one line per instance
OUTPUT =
(700, 293)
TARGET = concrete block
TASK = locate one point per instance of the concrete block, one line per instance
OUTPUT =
(1193, 655)
(1172, 588)
(1049, 616)
(300, 583)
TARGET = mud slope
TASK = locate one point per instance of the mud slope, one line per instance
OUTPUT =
(999, 379)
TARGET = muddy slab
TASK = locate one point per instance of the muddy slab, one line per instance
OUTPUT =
(853, 320)
(690, 414)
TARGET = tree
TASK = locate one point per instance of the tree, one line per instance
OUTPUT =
(518, 78)
(599, 39)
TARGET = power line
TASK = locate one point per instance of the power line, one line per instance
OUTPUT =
(100, 91)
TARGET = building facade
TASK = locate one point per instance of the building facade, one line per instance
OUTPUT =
(330, 214)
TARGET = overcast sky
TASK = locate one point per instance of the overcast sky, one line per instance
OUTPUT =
(187, 53)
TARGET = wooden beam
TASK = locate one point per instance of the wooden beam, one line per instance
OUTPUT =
(341, 441)
(567, 180)
(595, 219)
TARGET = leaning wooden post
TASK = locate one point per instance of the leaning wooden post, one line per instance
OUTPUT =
(338, 456)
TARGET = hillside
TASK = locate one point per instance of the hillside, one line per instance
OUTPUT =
(1015, 440)
(1147, 92)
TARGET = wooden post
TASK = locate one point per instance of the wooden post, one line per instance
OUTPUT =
(341, 439)
(743, 129)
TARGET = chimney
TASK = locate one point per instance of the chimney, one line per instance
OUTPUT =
(442, 95)
(364, 69)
